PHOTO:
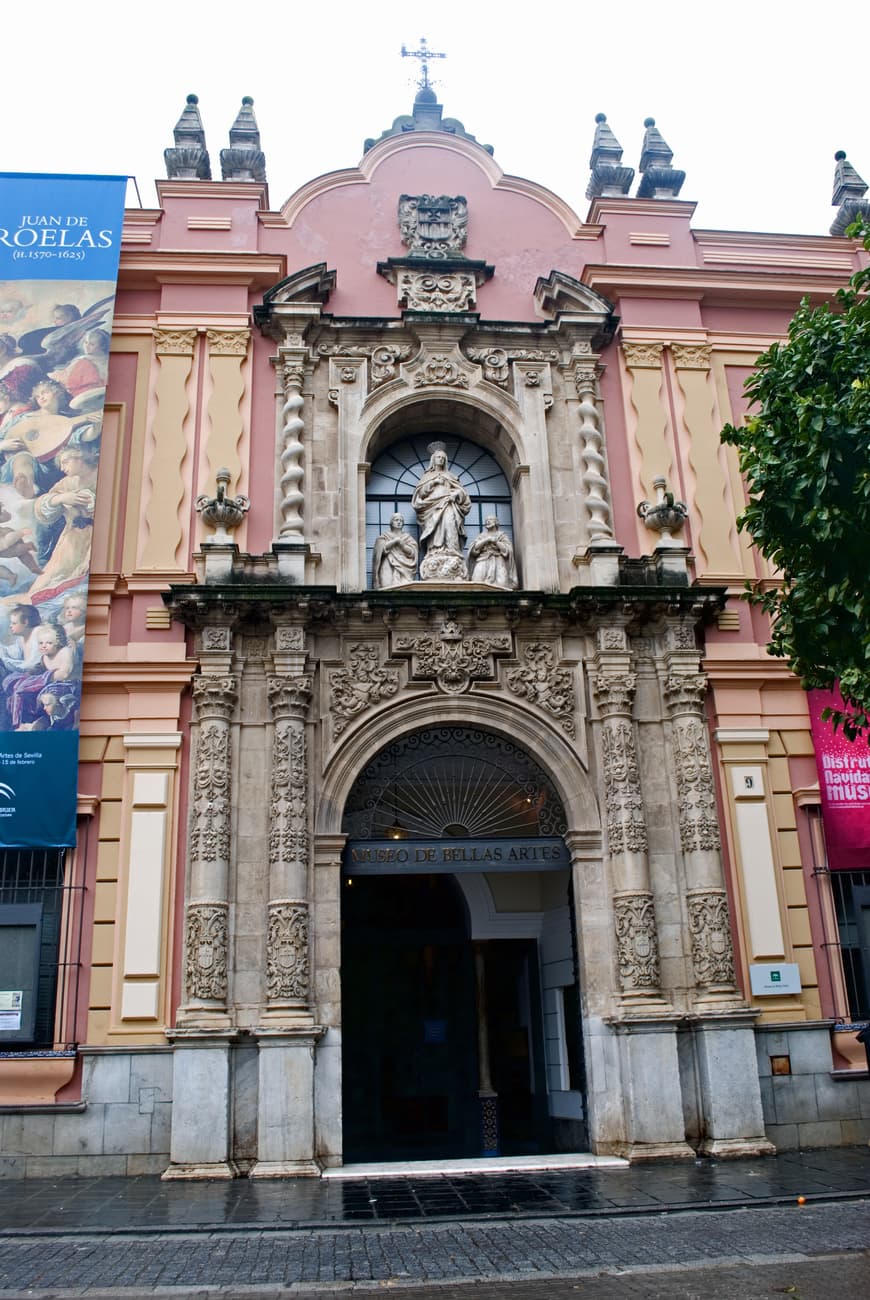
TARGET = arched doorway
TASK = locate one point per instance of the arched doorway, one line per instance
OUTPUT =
(460, 1023)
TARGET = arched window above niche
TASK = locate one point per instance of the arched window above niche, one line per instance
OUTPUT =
(397, 470)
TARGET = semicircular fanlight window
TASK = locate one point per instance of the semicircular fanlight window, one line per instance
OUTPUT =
(453, 782)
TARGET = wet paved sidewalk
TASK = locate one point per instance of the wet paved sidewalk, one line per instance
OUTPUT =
(41, 1207)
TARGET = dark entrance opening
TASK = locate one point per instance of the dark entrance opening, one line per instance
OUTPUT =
(409, 1060)
(411, 1063)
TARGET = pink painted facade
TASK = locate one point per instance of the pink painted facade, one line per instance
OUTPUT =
(204, 351)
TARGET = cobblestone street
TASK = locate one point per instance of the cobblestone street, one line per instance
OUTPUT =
(804, 1251)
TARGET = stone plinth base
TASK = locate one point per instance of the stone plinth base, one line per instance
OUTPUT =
(638, 1152)
(285, 1169)
(735, 1148)
(224, 1169)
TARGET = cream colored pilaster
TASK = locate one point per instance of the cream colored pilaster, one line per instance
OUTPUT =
(227, 350)
(151, 763)
(651, 433)
(169, 439)
(717, 534)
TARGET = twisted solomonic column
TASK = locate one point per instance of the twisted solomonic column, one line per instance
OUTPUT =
(596, 489)
(634, 911)
(207, 914)
(287, 949)
(292, 472)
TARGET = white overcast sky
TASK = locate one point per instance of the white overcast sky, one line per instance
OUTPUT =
(753, 96)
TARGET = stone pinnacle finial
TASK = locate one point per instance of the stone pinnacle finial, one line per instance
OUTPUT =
(608, 178)
(244, 160)
(659, 179)
(849, 191)
(189, 159)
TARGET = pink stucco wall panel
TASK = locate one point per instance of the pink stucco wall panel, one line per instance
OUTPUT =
(660, 313)
(206, 299)
(241, 236)
(355, 225)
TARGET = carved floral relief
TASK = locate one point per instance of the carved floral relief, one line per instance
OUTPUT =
(636, 941)
(362, 683)
(206, 944)
(540, 682)
(287, 951)
(709, 926)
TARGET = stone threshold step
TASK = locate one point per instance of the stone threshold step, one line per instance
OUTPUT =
(478, 1165)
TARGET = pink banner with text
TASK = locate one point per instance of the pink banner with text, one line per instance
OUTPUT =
(844, 782)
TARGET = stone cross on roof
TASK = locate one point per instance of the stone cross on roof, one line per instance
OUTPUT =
(423, 54)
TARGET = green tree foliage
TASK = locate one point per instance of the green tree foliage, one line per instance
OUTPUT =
(805, 453)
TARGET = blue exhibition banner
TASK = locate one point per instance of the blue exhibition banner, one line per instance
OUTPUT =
(60, 240)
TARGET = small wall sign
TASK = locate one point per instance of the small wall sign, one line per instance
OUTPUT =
(773, 979)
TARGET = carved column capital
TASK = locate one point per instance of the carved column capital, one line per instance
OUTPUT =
(215, 697)
(691, 356)
(643, 356)
(710, 929)
(636, 941)
(174, 343)
(287, 962)
(228, 343)
(289, 696)
(614, 693)
(685, 693)
(205, 951)
(586, 378)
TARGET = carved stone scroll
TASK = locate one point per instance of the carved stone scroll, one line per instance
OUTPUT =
(434, 291)
(709, 926)
(287, 965)
(362, 683)
(636, 941)
(540, 682)
(205, 949)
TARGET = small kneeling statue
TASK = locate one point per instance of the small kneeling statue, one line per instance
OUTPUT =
(491, 557)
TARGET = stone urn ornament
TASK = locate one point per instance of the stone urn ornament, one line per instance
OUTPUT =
(222, 513)
(666, 516)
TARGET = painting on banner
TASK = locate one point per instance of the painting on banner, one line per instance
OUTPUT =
(844, 786)
(59, 246)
